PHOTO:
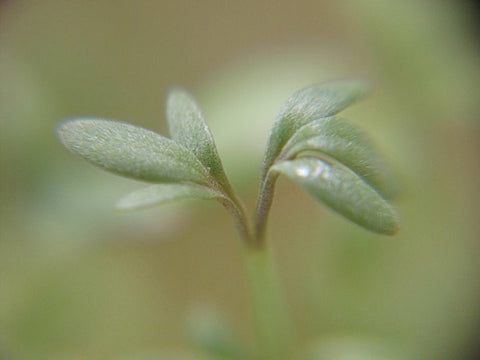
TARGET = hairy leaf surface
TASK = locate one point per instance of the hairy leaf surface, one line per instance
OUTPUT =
(160, 194)
(311, 103)
(188, 127)
(346, 143)
(343, 191)
(131, 151)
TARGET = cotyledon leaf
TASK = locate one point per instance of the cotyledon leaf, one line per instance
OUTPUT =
(131, 151)
(308, 104)
(343, 191)
(346, 143)
(160, 194)
(188, 127)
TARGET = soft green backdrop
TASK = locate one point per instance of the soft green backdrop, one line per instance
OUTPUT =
(80, 281)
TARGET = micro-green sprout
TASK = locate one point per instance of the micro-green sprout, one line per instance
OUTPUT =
(328, 156)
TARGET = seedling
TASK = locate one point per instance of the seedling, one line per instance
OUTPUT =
(325, 154)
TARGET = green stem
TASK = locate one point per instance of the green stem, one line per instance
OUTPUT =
(264, 204)
(274, 332)
(273, 329)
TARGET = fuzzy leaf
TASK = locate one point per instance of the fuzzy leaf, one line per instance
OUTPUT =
(344, 142)
(188, 127)
(131, 151)
(311, 103)
(343, 191)
(164, 193)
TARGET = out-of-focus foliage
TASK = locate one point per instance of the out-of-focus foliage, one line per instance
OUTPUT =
(78, 280)
(164, 193)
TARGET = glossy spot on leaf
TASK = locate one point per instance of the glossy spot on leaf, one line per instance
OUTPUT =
(343, 191)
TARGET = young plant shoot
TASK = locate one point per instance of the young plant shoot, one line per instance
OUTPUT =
(309, 143)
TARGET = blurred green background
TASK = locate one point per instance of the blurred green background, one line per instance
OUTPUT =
(80, 281)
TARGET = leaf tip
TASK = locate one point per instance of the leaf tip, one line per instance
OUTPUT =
(67, 129)
(61, 129)
(388, 221)
(394, 227)
(175, 94)
(122, 206)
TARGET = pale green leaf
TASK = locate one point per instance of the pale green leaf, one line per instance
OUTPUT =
(343, 191)
(168, 355)
(208, 330)
(346, 143)
(188, 127)
(131, 151)
(165, 193)
(353, 348)
(311, 103)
